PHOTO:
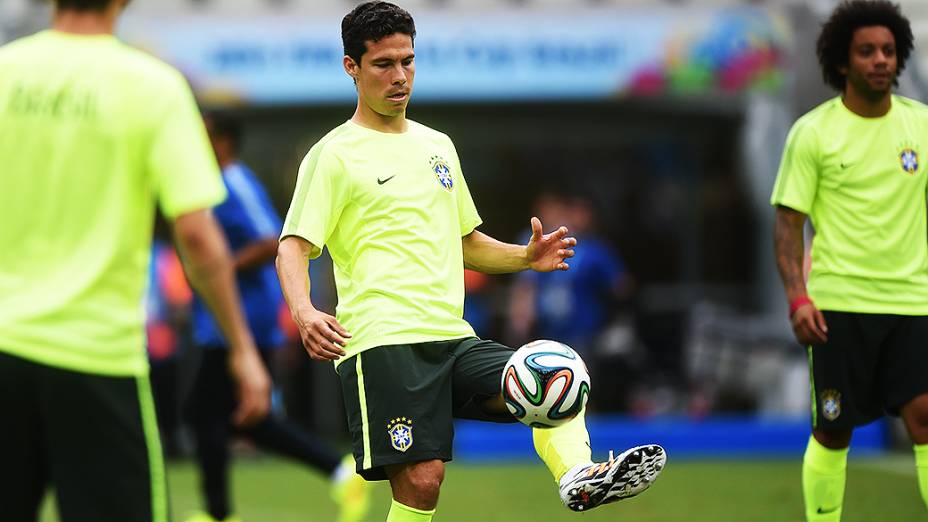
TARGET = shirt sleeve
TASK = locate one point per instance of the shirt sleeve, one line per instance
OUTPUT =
(797, 179)
(468, 217)
(258, 215)
(181, 161)
(321, 193)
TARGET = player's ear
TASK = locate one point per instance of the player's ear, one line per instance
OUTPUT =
(843, 69)
(351, 67)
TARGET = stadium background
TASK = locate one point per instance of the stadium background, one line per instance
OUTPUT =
(668, 118)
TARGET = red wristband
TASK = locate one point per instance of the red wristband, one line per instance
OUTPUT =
(797, 303)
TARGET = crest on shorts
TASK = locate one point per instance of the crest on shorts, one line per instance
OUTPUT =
(831, 404)
(442, 172)
(400, 432)
(908, 158)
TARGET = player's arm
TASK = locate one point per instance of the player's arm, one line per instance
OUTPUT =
(209, 268)
(255, 253)
(322, 335)
(261, 222)
(808, 322)
(543, 253)
(490, 256)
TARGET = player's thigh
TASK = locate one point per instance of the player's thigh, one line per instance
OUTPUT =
(904, 368)
(398, 404)
(104, 453)
(23, 472)
(844, 372)
(478, 374)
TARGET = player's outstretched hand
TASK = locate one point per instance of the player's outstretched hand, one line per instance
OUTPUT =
(253, 387)
(322, 336)
(549, 252)
(809, 325)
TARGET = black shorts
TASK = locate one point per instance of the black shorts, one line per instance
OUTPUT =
(872, 364)
(400, 399)
(93, 438)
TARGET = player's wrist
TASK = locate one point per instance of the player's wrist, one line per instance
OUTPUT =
(524, 261)
(302, 311)
(798, 303)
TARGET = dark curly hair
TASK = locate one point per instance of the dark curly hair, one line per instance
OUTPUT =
(373, 21)
(834, 42)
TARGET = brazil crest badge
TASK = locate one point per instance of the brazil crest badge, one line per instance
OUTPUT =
(400, 432)
(442, 172)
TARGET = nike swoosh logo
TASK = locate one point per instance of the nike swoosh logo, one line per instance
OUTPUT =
(826, 511)
(382, 181)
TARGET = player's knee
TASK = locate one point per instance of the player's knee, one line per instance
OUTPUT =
(426, 478)
(915, 415)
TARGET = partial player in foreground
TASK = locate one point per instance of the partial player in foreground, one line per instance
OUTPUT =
(387, 197)
(92, 134)
(855, 166)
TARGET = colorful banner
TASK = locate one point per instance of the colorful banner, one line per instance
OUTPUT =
(523, 55)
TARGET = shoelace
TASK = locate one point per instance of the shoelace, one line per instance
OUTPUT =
(602, 467)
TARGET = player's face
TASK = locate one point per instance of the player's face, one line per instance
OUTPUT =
(386, 74)
(871, 69)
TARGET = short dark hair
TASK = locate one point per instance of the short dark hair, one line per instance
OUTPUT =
(225, 125)
(83, 5)
(373, 21)
(834, 42)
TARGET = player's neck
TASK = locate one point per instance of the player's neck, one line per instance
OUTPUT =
(865, 106)
(371, 119)
(86, 22)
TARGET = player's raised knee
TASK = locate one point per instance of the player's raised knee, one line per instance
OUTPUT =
(426, 477)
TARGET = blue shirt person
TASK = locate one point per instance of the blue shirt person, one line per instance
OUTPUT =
(246, 217)
(251, 226)
(572, 306)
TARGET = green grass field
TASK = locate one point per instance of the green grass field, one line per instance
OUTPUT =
(271, 490)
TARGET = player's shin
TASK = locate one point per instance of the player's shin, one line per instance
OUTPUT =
(921, 464)
(403, 513)
(824, 472)
(565, 446)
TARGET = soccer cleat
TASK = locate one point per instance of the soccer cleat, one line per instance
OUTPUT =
(586, 486)
(350, 491)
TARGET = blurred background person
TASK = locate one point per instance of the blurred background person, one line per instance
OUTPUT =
(575, 306)
(251, 226)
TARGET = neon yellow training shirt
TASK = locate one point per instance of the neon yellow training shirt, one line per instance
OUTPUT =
(392, 209)
(862, 182)
(92, 132)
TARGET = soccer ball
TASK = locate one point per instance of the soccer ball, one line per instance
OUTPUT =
(545, 384)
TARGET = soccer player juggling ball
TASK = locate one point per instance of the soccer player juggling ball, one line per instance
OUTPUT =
(387, 197)
(855, 166)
